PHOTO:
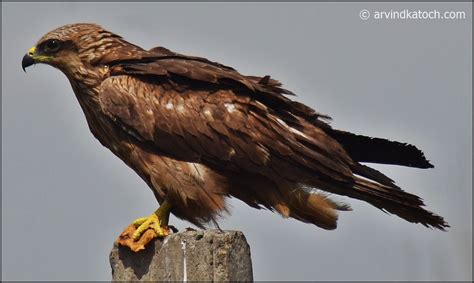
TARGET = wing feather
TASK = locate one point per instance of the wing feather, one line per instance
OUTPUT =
(217, 128)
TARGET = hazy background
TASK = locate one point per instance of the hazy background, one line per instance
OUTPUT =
(66, 198)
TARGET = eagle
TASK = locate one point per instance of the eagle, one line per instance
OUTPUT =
(199, 132)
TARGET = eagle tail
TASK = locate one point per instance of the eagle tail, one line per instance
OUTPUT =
(398, 202)
(391, 200)
(377, 150)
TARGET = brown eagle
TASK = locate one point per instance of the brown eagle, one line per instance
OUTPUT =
(198, 132)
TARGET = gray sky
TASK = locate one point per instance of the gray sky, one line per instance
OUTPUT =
(66, 198)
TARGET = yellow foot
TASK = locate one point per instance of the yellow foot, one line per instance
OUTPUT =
(151, 222)
(145, 229)
(141, 232)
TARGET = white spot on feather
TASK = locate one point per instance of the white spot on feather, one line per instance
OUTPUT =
(230, 107)
(281, 122)
(180, 108)
(208, 113)
(295, 131)
(169, 105)
(197, 170)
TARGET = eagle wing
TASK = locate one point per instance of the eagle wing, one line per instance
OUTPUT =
(196, 110)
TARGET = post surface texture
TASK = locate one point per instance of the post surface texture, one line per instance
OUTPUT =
(210, 255)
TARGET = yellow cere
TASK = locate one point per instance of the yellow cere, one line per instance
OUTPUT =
(32, 51)
(36, 57)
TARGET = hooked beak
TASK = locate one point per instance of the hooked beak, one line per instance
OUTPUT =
(28, 59)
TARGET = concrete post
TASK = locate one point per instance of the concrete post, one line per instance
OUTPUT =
(210, 255)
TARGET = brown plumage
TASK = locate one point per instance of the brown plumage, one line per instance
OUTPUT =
(198, 132)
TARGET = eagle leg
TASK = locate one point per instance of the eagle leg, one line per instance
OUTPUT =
(158, 221)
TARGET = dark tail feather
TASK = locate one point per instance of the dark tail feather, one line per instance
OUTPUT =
(403, 204)
(377, 150)
(389, 199)
(372, 174)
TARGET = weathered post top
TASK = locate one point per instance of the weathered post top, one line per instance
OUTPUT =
(210, 255)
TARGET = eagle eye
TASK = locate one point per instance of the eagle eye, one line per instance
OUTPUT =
(52, 46)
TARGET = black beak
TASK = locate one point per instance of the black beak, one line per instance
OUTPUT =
(27, 61)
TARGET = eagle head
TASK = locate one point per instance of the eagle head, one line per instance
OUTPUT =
(79, 50)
